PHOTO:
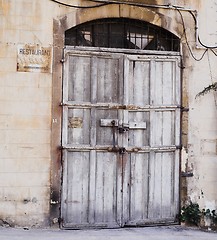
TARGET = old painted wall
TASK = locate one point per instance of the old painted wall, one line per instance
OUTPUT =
(25, 115)
(202, 128)
(30, 115)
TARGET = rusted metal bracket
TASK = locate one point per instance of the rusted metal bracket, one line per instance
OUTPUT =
(184, 109)
(187, 174)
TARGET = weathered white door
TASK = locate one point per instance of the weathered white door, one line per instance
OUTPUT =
(120, 138)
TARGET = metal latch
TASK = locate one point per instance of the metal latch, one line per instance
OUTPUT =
(115, 148)
(122, 150)
(124, 128)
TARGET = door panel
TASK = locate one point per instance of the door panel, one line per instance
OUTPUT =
(108, 68)
(163, 128)
(139, 137)
(106, 179)
(79, 126)
(121, 130)
(91, 174)
(163, 201)
(153, 154)
(138, 90)
(104, 135)
(79, 90)
(139, 188)
(76, 175)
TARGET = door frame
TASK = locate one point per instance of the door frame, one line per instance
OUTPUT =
(69, 19)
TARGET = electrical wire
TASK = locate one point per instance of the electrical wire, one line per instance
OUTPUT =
(213, 51)
(131, 3)
(199, 40)
(169, 6)
(76, 6)
(202, 44)
(184, 30)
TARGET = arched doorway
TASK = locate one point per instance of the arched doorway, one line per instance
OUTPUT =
(121, 125)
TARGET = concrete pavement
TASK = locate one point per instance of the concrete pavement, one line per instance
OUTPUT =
(149, 233)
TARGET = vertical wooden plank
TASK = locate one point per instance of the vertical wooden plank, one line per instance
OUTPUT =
(168, 133)
(93, 79)
(79, 75)
(101, 66)
(177, 79)
(158, 96)
(66, 76)
(92, 189)
(176, 191)
(139, 187)
(141, 83)
(99, 208)
(151, 185)
(153, 83)
(155, 186)
(121, 82)
(157, 128)
(65, 99)
(110, 190)
(64, 194)
(65, 126)
(78, 126)
(77, 187)
(124, 170)
(106, 189)
(128, 81)
(176, 170)
(167, 83)
(93, 167)
(177, 127)
(167, 184)
(121, 201)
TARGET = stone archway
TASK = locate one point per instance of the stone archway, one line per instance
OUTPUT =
(60, 26)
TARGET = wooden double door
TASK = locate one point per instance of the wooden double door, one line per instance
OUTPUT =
(120, 139)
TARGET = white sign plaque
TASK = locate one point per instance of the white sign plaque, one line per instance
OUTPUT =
(34, 58)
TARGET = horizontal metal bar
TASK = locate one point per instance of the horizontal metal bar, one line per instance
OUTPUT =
(137, 125)
(71, 104)
(119, 50)
(130, 125)
(108, 123)
(128, 149)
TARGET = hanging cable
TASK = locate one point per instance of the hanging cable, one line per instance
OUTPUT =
(211, 47)
(76, 6)
(179, 9)
(131, 3)
(202, 44)
(213, 51)
(184, 30)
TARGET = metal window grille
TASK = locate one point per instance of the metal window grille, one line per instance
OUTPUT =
(122, 33)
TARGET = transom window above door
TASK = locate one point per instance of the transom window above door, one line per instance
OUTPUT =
(122, 33)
